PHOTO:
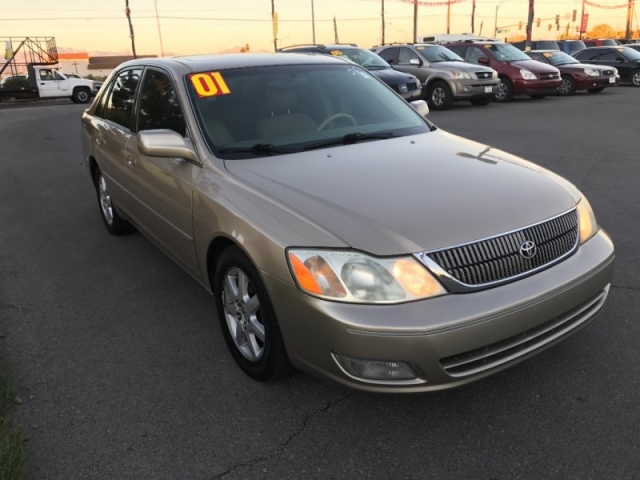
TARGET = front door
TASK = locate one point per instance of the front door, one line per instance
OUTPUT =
(163, 186)
(48, 86)
(613, 58)
(410, 62)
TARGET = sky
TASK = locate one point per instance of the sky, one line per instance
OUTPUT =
(211, 26)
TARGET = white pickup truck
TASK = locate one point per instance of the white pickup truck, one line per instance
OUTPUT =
(46, 82)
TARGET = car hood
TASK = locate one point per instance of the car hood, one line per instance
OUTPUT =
(535, 66)
(412, 193)
(393, 77)
(582, 66)
(461, 66)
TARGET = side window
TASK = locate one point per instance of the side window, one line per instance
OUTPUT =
(406, 55)
(473, 54)
(589, 43)
(458, 50)
(103, 96)
(537, 57)
(46, 75)
(159, 104)
(119, 106)
(389, 55)
(587, 55)
(610, 56)
(57, 76)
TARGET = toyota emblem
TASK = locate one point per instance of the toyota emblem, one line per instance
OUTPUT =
(528, 249)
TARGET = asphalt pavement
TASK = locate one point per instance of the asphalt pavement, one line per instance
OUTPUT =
(123, 371)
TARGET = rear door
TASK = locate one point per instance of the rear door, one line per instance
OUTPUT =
(112, 131)
(162, 187)
(390, 55)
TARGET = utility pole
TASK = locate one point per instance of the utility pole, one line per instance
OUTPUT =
(133, 41)
(415, 20)
(527, 48)
(275, 26)
(159, 31)
(448, 16)
(75, 64)
(473, 16)
(382, 14)
(581, 20)
(495, 23)
(313, 22)
(335, 30)
(629, 16)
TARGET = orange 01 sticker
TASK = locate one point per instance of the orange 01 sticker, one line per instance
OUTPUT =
(209, 84)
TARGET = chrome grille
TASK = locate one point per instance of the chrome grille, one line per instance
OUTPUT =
(490, 356)
(498, 259)
(549, 76)
(484, 74)
(607, 73)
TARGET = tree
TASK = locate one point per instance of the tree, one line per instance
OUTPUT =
(602, 30)
(516, 38)
(245, 49)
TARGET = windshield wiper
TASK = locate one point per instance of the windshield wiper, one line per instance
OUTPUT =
(259, 149)
(349, 139)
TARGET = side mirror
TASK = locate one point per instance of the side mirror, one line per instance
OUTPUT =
(620, 59)
(421, 107)
(165, 144)
(414, 61)
(483, 60)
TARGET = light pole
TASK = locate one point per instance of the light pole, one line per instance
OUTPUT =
(495, 27)
(313, 23)
(159, 31)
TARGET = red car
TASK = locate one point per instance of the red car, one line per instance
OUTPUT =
(576, 75)
(519, 74)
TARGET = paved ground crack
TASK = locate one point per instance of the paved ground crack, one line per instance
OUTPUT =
(622, 287)
(288, 440)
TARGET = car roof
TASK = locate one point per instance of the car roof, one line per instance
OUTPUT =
(322, 46)
(199, 63)
(544, 50)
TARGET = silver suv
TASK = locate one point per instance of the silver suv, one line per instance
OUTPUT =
(445, 76)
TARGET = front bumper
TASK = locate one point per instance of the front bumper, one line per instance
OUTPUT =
(586, 82)
(465, 89)
(444, 339)
(412, 95)
(536, 87)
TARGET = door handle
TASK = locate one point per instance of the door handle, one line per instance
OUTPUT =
(41, 83)
(130, 161)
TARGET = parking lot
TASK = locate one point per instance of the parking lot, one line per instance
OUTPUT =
(123, 371)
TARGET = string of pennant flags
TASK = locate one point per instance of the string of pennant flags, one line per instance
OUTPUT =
(433, 4)
(606, 7)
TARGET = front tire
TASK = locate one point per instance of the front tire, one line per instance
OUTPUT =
(568, 86)
(635, 78)
(440, 97)
(114, 223)
(505, 91)
(81, 95)
(247, 318)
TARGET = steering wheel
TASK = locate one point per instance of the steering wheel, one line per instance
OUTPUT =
(334, 116)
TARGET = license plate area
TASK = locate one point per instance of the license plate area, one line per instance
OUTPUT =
(488, 89)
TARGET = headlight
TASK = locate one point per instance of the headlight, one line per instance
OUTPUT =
(460, 75)
(527, 75)
(586, 220)
(591, 72)
(358, 278)
(615, 71)
(495, 74)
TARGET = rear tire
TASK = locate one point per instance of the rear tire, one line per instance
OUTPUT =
(247, 318)
(595, 90)
(635, 78)
(114, 223)
(440, 97)
(481, 101)
(81, 95)
(568, 86)
(505, 91)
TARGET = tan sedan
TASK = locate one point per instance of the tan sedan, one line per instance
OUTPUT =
(340, 231)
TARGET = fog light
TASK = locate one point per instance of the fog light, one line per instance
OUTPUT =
(467, 89)
(376, 369)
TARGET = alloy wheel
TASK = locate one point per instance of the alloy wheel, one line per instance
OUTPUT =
(105, 200)
(565, 87)
(242, 313)
(438, 96)
(635, 79)
(502, 91)
(82, 96)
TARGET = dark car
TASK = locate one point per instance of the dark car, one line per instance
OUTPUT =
(446, 77)
(519, 75)
(569, 46)
(538, 45)
(600, 42)
(576, 75)
(634, 46)
(406, 85)
(624, 59)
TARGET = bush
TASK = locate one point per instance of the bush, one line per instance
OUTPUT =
(16, 83)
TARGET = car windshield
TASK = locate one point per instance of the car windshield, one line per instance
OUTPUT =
(559, 58)
(608, 43)
(504, 52)
(249, 112)
(362, 57)
(630, 53)
(437, 53)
